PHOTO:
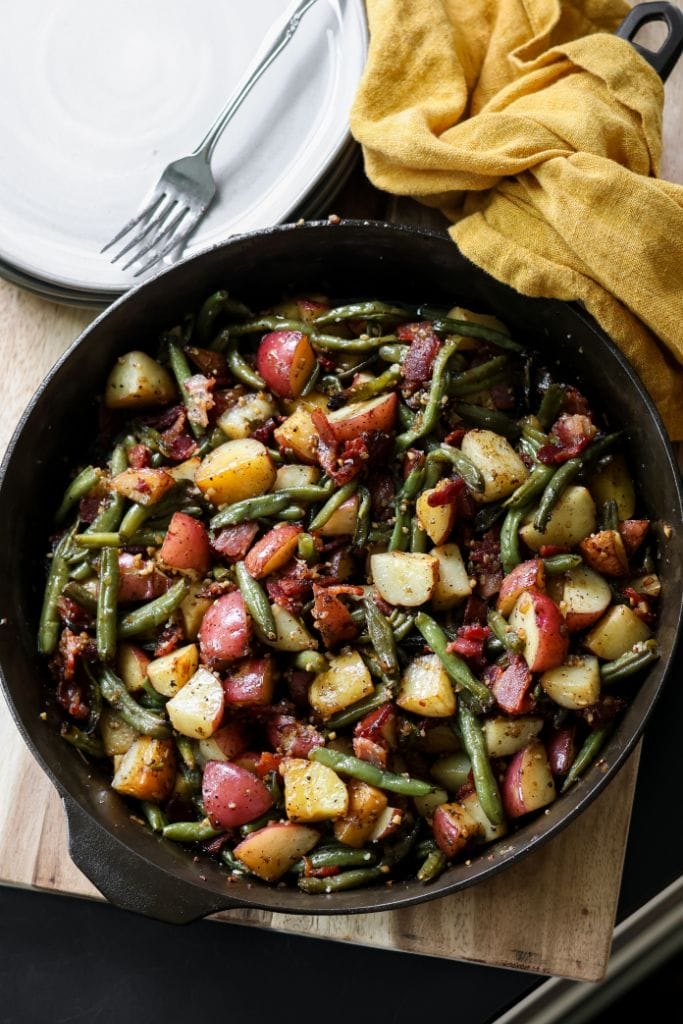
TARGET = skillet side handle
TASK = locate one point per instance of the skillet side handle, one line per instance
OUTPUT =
(126, 880)
(664, 59)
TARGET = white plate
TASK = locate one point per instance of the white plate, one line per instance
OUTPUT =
(105, 95)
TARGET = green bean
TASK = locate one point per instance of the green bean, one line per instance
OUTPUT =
(457, 669)
(50, 622)
(362, 526)
(77, 489)
(154, 613)
(554, 490)
(403, 627)
(240, 368)
(81, 595)
(190, 831)
(352, 879)
(366, 772)
(311, 661)
(310, 492)
(312, 380)
(382, 637)
(147, 539)
(467, 329)
(367, 388)
(641, 655)
(478, 377)
(107, 597)
(399, 850)
(487, 419)
(534, 485)
(187, 748)
(336, 857)
(509, 637)
(254, 826)
(134, 519)
(217, 304)
(510, 554)
(400, 536)
(265, 324)
(393, 353)
(181, 372)
(305, 547)
(84, 741)
(465, 467)
(332, 504)
(209, 441)
(610, 515)
(485, 782)
(538, 437)
(419, 539)
(551, 405)
(256, 601)
(354, 712)
(433, 866)
(486, 516)
(98, 540)
(116, 694)
(361, 311)
(557, 564)
(80, 571)
(251, 508)
(427, 419)
(155, 817)
(292, 514)
(349, 346)
(592, 746)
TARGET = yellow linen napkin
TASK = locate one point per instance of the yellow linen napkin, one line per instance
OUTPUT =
(538, 133)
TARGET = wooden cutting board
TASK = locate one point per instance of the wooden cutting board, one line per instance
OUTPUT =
(551, 914)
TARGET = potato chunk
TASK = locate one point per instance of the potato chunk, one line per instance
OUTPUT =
(616, 632)
(147, 769)
(137, 380)
(405, 578)
(497, 461)
(426, 688)
(346, 681)
(236, 470)
(313, 792)
(572, 519)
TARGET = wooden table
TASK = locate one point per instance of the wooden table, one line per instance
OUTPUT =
(521, 918)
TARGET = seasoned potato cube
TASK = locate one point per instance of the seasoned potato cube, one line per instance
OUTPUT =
(405, 578)
(248, 412)
(147, 769)
(572, 519)
(505, 736)
(170, 672)
(616, 632)
(313, 792)
(604, 552)
(193, 609)
(236, 470)
(478, 815)
(366, 803)
(453, 585)
(295, 476)
(291, 634)
(270, 852)
(137, 380)
(117, 736)
(436, 520)
(426, 688)
(576, 684)
(497, 461)
(144, 486)
(346, 681)
(197, 708)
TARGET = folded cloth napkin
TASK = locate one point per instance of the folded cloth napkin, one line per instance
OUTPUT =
(537, 132)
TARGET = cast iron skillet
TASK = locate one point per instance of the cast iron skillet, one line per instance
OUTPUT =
(132, 867)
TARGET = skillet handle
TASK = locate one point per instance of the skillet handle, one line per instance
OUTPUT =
(128, 881)
(664, 59)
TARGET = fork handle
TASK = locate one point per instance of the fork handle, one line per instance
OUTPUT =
(207, 145)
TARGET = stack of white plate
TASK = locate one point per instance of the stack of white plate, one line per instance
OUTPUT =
(99, 97)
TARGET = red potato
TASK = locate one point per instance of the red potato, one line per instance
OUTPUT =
(633, 533)
(225, 632)
(186, 544)
(528, 784)
(251, 683)
(139, 579)
(585, 596)
(528, 575)
(540, 623)
(362, 417)
(454, 828)
(232, 795)
(562, 749)
(273, 550)
(270, 852)
(131, 665)
(285, 360)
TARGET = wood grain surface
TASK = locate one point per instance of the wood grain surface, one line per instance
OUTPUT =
(552, 913)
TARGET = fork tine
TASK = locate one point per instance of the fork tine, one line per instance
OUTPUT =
(167, 231)
(154, 227)
(177, 238)
(147, 211)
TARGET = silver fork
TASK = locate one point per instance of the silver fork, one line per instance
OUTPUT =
(187, 187)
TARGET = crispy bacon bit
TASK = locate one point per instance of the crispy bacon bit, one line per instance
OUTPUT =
(484, 563)
(469, 641)
(475, 610)
(424, 348)
(332, 617)
(548, 550)
(88, 509)
(511, 687)
(574, 402)
(169, 640)
(379, 725)
(233, 542)
(264, 432)
(210, 363)
(267, 762)
(174, 441)
(66, 669)
(73, 614)
(292, 738)
(602, 712)
(447, 492)
(454, 439)
(573, 432)
(139, 456)
(371, 751)
(198, 389)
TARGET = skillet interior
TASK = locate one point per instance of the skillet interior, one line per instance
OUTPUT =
(139, 871)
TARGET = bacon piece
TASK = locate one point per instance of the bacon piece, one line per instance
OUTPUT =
(511, 687)
(174, 441)
(379, 725)
(200, 401)
(469, 641)
(169, 640)
(73, 614)
(369, 750)
(573, 432)
(139, 456)
(332, 618)
(292, 738)
(424, 348)
(455, 437)
(210, 363)
(447, 492)
(233, 542)
(264, 432)
(66, 668)
(484, 563)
